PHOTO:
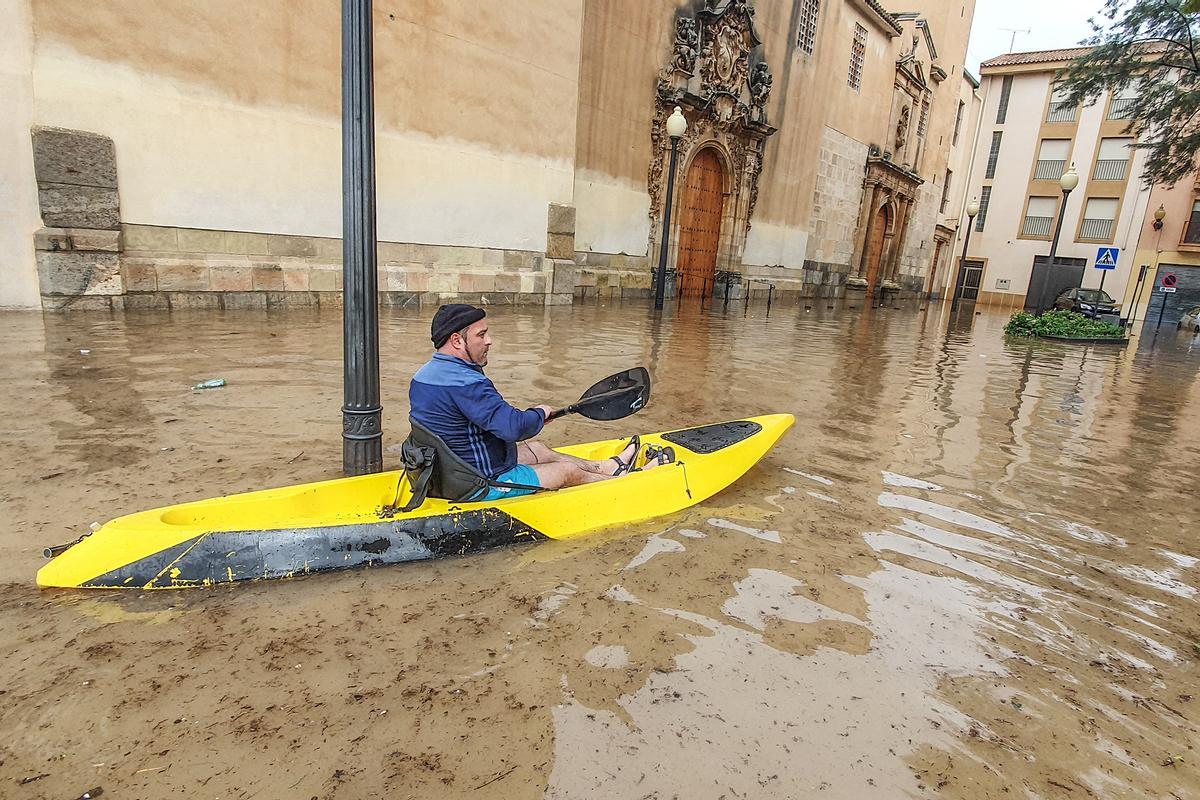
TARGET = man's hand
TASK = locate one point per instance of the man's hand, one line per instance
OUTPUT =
(547, 411)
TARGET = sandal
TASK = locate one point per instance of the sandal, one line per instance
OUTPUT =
(660, 455)
(622, 466)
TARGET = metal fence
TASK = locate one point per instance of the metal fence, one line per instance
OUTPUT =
(1100, 229)
(1121, 107)
(1061, 113)
(1036, 226)
(1110, 169)
(1049, 169)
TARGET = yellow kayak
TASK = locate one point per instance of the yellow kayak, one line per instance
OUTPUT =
(338, 524)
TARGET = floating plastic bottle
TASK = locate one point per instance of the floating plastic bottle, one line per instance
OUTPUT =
(212, 383)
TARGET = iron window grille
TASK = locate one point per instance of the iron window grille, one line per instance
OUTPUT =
(1096, 229)
(1121, 107)
(1037, 226)
(985, 196)
(858, 54)
(1005, 91)
(1110, 169)
(993, 155)
(806, 40)
(1049, 169)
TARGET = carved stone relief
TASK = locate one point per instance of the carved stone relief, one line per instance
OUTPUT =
(716, 75)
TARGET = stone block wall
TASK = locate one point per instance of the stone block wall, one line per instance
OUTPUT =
(190, 268)
(917, 257)
(612, 276)
(837, 199)
(88, 260)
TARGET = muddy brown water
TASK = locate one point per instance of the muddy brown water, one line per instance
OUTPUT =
(970, 570)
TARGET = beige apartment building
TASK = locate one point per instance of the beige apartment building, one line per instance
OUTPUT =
(1169, 245)
(1027, 139)
(178, 155)
(949, 233)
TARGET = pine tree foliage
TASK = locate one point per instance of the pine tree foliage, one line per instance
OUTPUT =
(1151, 47)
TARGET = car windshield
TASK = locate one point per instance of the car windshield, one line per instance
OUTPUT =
(1091, 295)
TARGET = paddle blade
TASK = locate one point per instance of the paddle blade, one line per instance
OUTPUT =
(617, 396)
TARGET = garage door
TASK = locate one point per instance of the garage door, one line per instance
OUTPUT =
(1187, 296)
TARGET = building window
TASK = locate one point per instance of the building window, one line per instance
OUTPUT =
(1052, 159)
(807, 39)
(923, 120)
(958, 122)
(1122, 103)
(1039, 216)
(1060, 110)
(1112, 162)
(1098, 216)
(858, 53)
(1005, 91)
(985, 196)
(993, 155)
(1192, 234)
(946, 190)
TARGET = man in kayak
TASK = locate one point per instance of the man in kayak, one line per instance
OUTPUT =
(452, 397)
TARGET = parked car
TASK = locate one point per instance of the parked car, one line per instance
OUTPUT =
(1087, 301)
(1191, 319)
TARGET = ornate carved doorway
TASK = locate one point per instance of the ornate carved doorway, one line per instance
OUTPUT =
(700, 223)
(875, 252)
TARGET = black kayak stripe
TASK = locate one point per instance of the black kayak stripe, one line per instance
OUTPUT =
(223, 557)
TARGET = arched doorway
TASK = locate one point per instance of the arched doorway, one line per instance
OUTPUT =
(879, 228)
(700, 223)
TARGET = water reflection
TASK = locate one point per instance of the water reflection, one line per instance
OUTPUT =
(969, 568)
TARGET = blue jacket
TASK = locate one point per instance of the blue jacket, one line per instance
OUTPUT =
(455, 400)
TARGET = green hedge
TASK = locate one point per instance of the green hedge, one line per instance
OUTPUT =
(1066, 324)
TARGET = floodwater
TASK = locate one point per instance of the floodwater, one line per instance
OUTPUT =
(969, 571)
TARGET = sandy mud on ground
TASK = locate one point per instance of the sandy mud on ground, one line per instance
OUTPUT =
(970, 571)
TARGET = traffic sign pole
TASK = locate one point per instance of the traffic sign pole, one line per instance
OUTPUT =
(1100, 293)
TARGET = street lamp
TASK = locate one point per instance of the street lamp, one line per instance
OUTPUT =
(1068, 181)
(1158, 217)
(676, 127)
(972, 210)
(362, 427)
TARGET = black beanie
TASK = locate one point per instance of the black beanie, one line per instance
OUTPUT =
(451, 319)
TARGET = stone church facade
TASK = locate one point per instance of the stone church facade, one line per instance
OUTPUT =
(162, 156)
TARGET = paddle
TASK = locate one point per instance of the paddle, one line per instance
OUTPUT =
(615, 397)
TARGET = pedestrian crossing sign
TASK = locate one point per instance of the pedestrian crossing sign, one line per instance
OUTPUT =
(1106, 257)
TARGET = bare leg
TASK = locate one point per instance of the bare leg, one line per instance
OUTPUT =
(561, 474)
(535, 453)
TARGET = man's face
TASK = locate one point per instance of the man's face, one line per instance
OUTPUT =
(476, 342)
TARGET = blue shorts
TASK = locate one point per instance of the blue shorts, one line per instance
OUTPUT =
(521, 473)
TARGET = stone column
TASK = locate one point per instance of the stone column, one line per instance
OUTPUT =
(893, 265)
(871, 195)
(79, 250)
(560, 253)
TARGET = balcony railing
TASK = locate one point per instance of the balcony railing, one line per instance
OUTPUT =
(1110, 169)
(1049, 169)
(1036, 226)
(1061, 113)
(1097, 229)
(1121, 107)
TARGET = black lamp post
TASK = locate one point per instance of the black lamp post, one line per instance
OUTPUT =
(676, 127)
(972, 210)
(1068, 181)
(362, 430)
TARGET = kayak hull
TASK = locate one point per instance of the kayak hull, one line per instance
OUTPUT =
(341, 524)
